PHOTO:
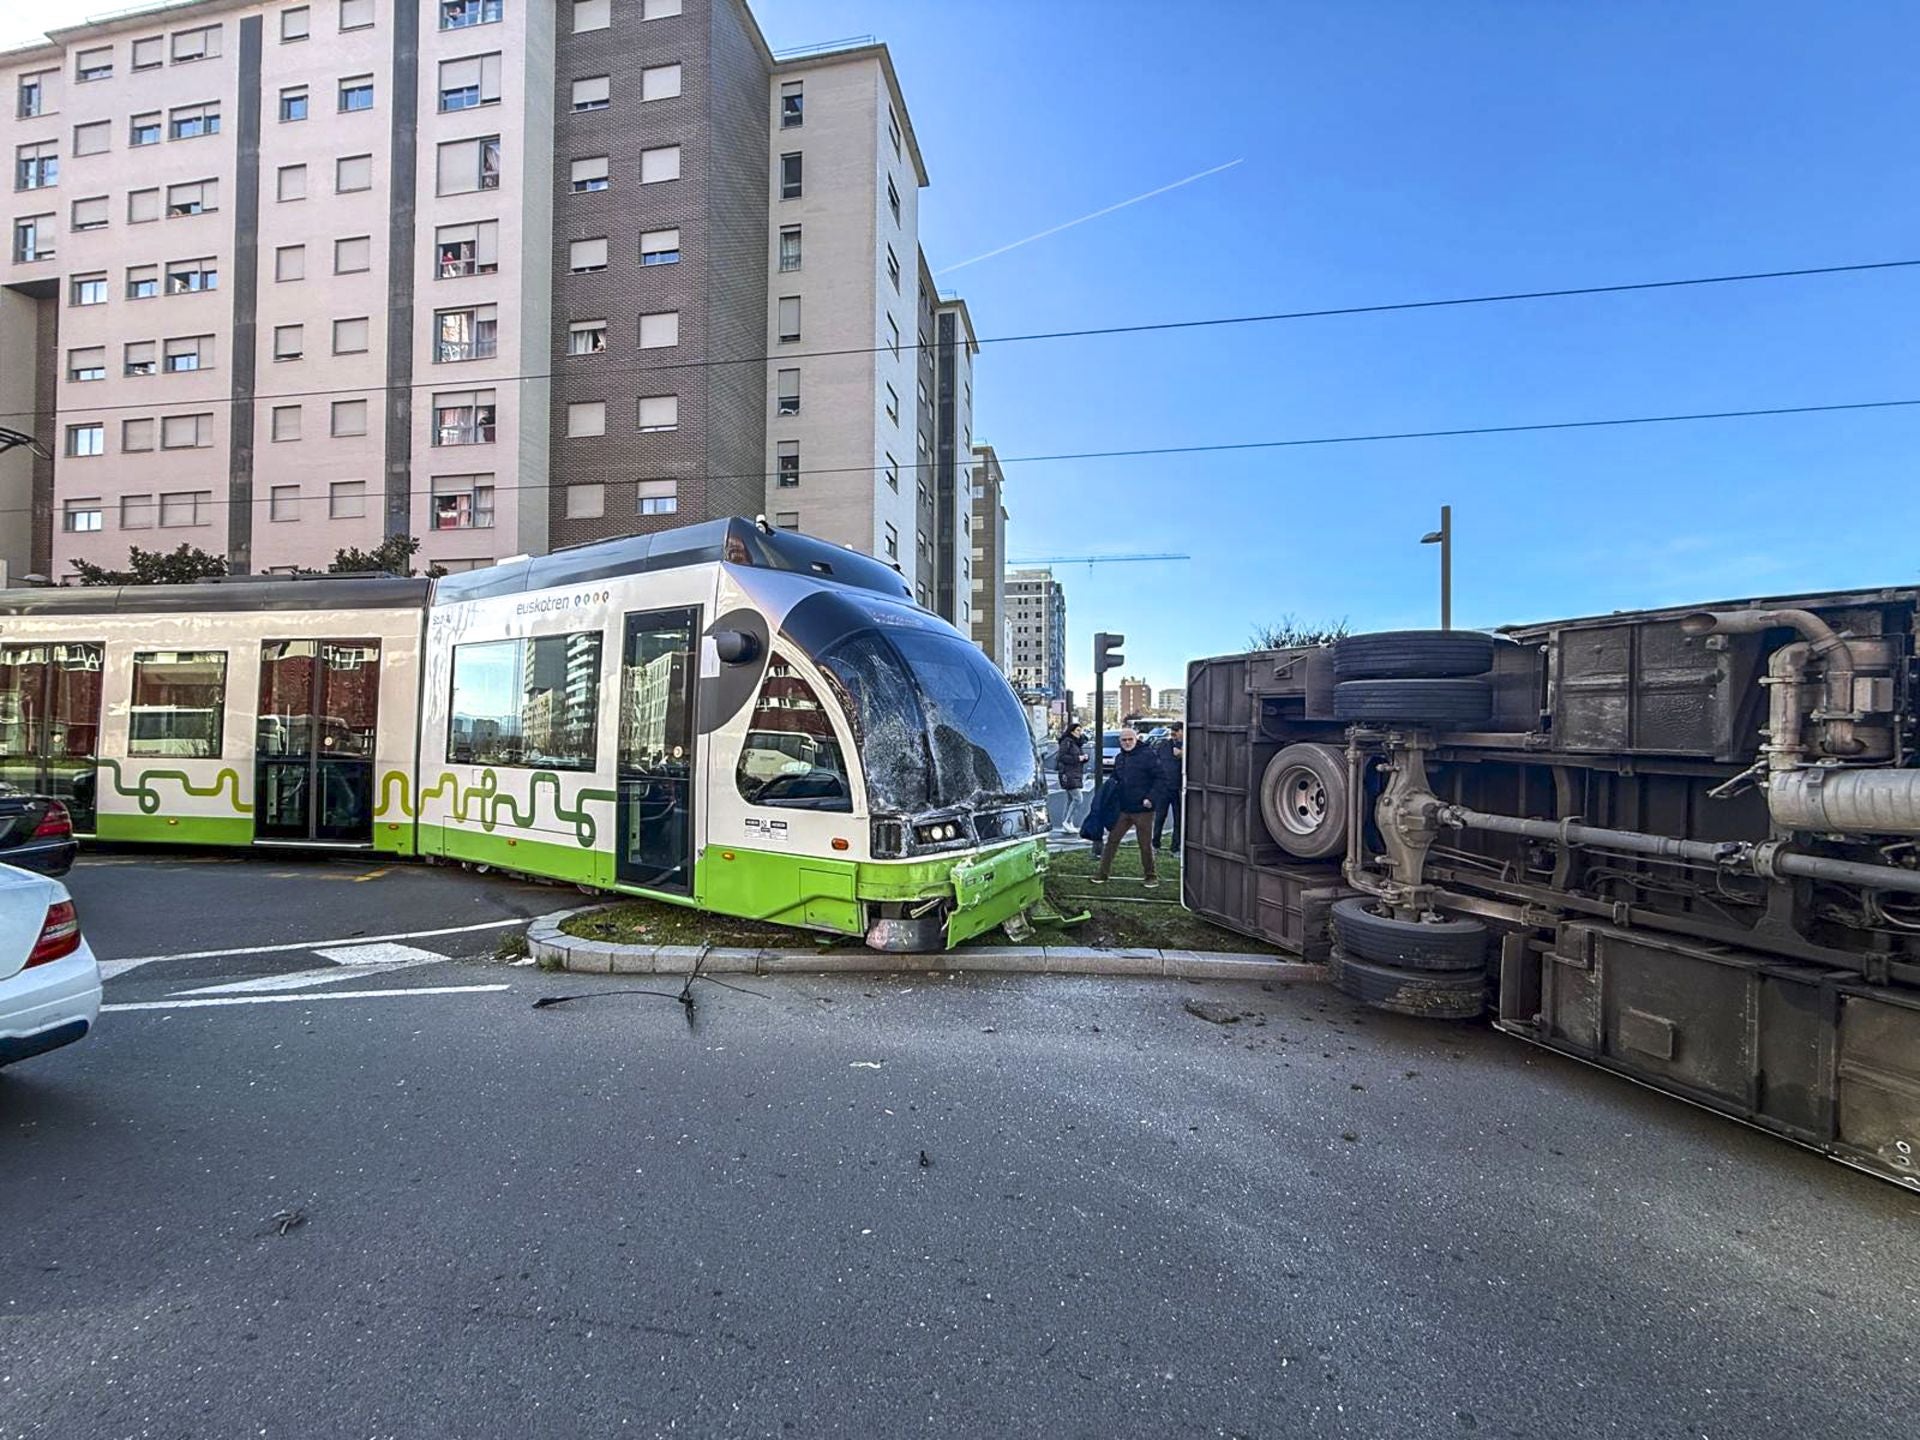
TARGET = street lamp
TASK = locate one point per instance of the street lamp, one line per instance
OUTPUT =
(1443, 537)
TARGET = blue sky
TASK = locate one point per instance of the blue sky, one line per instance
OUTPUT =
(1404, 151)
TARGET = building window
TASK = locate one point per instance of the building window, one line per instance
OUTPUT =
(89, 363)
(659, 412)
(356, 14)
(462, 502)
(660, 163)
(295, 24)
(469, 333)
(356, 93)
(142, 205)
(293, 103)
(186, 432)
(196, 197)
(290, 262)
(179, 696)
(659, 9)
(33, 238)
(88, 289)
(140, 357)
(36, 166)
(348, 417)
(587, 337)
(94, 64)
(183, 508)
(586, 502)
(792, 105)
(463, 14)
(790, 176)
(893, 336)
(188, 122)
(660, 247)
(787, 393)
(893, 199)
(149, 53)
(347, 500)
(144, 129)
(136, 511)
(33, 94)
(789, 247)
(353, 255)
(84, 440)
(463, 417)
(657, 497)
(351, 173)
(470, 83)
(660, 330)
(591, 15)
(595, 92)
(586, 418)
(187, 353)
(589, 174)
(94, 138)
(586, 256)
(892, 542)
(286, 423)
(290, 183)
(283, 503)
(468, 249)
(789, 317)
(352, 336)
(786, 463)
(186, 277)
(203, 44)
(463, 166)
(893, 405)
(893, 131)
(289, 342)
(659, 82)
(530, 702)
(893, 269)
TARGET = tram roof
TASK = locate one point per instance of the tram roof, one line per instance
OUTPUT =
(242, 592)
(733, 541)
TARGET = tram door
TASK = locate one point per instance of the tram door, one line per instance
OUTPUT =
(658, 670)
(50, 723)
(313, 761)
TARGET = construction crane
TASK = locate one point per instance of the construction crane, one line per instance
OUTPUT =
(1095, 559)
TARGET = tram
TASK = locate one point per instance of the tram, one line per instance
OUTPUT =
(746, 721)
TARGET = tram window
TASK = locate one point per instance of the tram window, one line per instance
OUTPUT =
(179, 703)
(791, 756)
(531, 702)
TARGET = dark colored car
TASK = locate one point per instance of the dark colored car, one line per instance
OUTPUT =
(36, 832)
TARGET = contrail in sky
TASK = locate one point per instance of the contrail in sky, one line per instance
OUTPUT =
(1068, 225)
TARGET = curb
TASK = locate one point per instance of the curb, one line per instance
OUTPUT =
(555, 950)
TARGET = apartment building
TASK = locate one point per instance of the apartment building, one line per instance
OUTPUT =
(1171, 700)
(1037, 631)
(1136, 696)
(988, 560)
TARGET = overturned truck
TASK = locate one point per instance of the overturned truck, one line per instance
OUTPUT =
(1683, 845)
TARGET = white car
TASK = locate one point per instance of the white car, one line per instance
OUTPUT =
(49, 980)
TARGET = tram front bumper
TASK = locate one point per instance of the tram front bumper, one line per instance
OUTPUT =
(971, 897)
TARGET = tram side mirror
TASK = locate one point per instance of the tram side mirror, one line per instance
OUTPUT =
(736, 647)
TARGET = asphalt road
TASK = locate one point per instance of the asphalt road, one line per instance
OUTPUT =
(858, 1207)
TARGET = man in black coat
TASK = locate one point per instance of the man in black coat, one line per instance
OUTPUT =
(1172, 753)
(1137, 779)
(1070, 763)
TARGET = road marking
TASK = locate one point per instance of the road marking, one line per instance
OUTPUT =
(379, 953)
(111, 968)
(351, 962)
(373, 875)
(293, 999)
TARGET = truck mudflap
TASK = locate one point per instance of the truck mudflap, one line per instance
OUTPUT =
(990, 889)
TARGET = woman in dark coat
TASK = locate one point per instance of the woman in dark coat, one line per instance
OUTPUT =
(1070, 763)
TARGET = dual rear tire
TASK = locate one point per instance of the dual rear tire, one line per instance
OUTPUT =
(1432, 967)
(1415, 677)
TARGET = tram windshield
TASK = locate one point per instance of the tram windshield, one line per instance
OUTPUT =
(937, 725)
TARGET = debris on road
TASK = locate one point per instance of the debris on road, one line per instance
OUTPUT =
(284, 1221)
(1212, 1012)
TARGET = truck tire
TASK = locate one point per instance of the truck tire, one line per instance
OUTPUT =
(1456, 995)
(1303, 799)
(1412, 655)
(1448, 704)
(1425, 945)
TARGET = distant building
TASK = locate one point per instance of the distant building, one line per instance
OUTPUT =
(1136, 696)
(954, 349)
(989, 558)
(1037, 610)
(1172, 700)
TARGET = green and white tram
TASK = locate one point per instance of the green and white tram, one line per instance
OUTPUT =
(745, 721)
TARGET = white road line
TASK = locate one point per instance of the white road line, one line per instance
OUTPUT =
(297, 999)
(351, 962)
(111, 968)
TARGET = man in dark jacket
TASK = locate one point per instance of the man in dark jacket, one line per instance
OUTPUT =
(1070, 763)
(1172, 754)
(1136, 781)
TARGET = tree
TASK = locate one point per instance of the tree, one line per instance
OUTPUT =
(1290, 634)
(393, 555)
(181, 566)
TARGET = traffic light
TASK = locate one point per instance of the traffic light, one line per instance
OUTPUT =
(1106, 652)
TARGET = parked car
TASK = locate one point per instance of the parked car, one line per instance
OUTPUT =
(49, 980)
(36, 832)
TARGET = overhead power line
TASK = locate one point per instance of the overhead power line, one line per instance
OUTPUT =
(1095, 559)
(602, 365)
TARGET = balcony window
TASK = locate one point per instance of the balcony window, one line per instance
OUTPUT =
(471, 333)
(187, 122)
(470, 83)
(356, 93)
(463, 417)
(186, 277)
(660, 247)
(144, 129)
(467, 249)
(462, 502)
(462, 14)
(36, 166)
(587, 337)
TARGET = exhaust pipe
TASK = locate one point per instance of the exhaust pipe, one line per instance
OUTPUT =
(1788, 669)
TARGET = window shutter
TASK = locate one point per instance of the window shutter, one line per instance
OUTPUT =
(588, 254)
(489, 77)
(659, 412)
(594, 167)
(458, 74)
(660, 164)
(486, 242)
(592, 91)
(659, 331)
(459, 167)
(89, 213)
(143, 205)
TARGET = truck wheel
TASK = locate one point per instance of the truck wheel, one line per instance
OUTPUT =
(1458, 995)
(1303, 799)
(1425, 945)
(1412, 654)
(1449, 704)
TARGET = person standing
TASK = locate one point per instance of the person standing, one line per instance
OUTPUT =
(1070, 764)
(1136, 780)
(1172, 755)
